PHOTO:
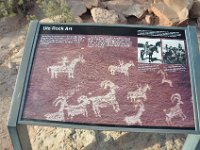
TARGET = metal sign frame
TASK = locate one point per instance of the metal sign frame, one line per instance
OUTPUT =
(17, 126)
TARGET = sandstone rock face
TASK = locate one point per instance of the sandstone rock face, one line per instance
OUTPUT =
(127, 8)
(179, 4)
(167, 16)
(91, 3)
(101, 15)
(171, 12)
(195, 10)
(77, 8)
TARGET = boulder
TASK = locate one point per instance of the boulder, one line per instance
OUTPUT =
(136, 10)
(91, 3)
(195, 10)
(167, 15)
(77, 8)
(101, 15)
(178, 5)
(181, 7)
(127, 7)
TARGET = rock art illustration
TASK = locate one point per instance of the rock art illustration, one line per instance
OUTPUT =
(175, 111)
(136, 119)
(140, 92)
(57, 116)
(72, 110)
(121, 68)
(164, 80)
(105, 100)
(65, 67)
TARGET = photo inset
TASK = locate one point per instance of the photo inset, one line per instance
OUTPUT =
(149, 50)
(173, 52)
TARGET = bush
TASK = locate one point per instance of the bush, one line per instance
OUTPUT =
(10, 7)
(53, 8)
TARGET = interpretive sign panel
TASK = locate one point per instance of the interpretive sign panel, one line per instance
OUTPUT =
(110, 76)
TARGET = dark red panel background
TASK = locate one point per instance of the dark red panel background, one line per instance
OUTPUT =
(43, 90)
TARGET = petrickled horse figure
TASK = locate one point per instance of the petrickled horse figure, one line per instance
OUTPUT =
(65, 67)
(103, 101)
(140, 92)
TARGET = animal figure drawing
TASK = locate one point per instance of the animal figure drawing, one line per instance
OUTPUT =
(105, 100)
(164, 79)
(140, 92)
(121, 68)
(175, 111)
(65, 67)
(135, 119)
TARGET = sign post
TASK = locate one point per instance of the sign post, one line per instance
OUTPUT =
(102, 77)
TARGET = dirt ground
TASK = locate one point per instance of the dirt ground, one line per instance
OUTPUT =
(12, 36)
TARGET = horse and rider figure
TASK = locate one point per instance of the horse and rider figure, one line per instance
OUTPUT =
(149, 49)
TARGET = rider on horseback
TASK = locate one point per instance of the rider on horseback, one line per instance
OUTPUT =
(146, 47)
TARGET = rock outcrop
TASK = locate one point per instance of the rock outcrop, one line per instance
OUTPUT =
(171, 12)
(195, 10)
(101, 15)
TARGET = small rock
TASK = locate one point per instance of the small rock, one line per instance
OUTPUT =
(122, 19)
(77, 8)
(101, 15)
(167, 16)
(148, 19)
(195, 10)
(78, 19)
(47, 20)
(91, 3)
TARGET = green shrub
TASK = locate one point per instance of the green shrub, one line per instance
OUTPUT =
(10, 7)
(53, 8)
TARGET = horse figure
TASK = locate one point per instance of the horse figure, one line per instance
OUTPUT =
(65, 67)
(139, 93)
(121, 68)
(148, 50)
(70, 68)
(152, 49)
(103, 101)
(55, 69)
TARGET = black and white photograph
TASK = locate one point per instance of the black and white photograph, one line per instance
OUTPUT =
(149, 50)
(173, 52)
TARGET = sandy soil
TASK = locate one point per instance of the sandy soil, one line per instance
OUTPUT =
(11, 50)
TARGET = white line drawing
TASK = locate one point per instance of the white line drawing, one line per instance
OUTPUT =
(57, 116)
(136, 119)
(70, 68)
(175, 111)
(55, 69)
(62, 100)
(105, 100)
(164, 80)
(121, 68)
(65, 67)
(74, 110)
(139, 93)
